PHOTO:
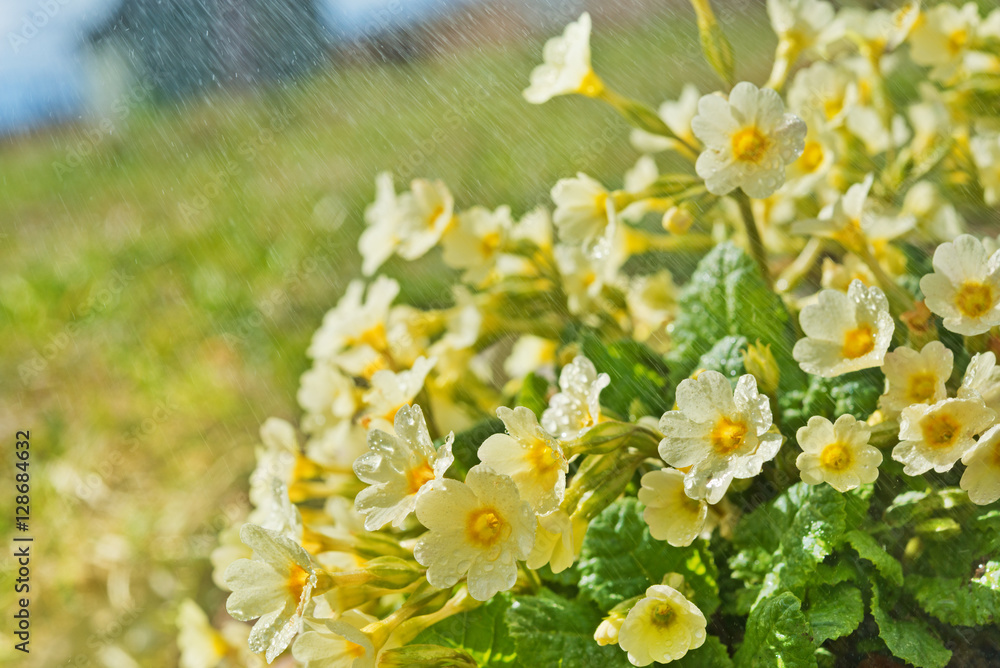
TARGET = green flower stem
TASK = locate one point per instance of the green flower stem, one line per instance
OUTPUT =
(643, 117)
(753, 236)
(801, 266)
(900, 301)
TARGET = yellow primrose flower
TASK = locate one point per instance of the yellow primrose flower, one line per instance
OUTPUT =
(986, 155)
(558, 541)
(936, 436)
(982, 473)
(965, 286)
(529, 354)
(652, 302)
(915, 378)
(576, 408)
(476, 241)
(719, 433)
(202, 646)
(844, 332)
(837, 453)
(398, 468)
(671, 514)
(663, 626)
(566, 68)
(384, 217)
(275, 586)
(823, 92)
(430, 211)
(479, 528)
(943, 38)
(749, 139)
(982, 380)
(839, 277)
(353, 322)
(936, 217)
(806, 23)
(845, 220)
(530, 456)
(336, 644)
(391, 390)
(584, 209)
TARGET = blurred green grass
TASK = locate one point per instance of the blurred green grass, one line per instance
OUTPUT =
(158, 293)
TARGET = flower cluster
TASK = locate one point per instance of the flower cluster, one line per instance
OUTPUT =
(446, 456)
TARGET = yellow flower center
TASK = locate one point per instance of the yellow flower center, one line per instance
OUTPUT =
(689, 505)
(489, 244)
(727, 435)
(591, 85)
(483, 527)
(857, 342)
(921, 387)
(812, 157)
(974, 299)
(298, 578)
(600, 204)
(833, 106)
(542, 458)
(377, 364)
(354, 650)
(417, 476)
(434, 215)
(940, 431)
(374, 337)
(835, 457)
(957, 41)
(662, 615)
(749, 145)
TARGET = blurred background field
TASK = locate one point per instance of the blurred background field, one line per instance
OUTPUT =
(163, 266)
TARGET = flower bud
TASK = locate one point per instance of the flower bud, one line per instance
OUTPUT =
(607, 631)
(677, 220)
(413, 656)
(760, 363)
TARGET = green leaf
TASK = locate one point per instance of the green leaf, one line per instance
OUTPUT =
(839, 571)
(834, 612)
(481, 632)
(466, 445)
(639, 375)
(712, 654)
(857, 503)
(549, 630)
(850, 394)
(725, 357)
(799, 529)
(620, 560)
(868, 549)
(727, 296)
(959, 601)
(777, 634)
(533, 393)
(908, 639)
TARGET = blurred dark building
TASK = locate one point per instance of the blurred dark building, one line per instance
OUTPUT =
(186, 46)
